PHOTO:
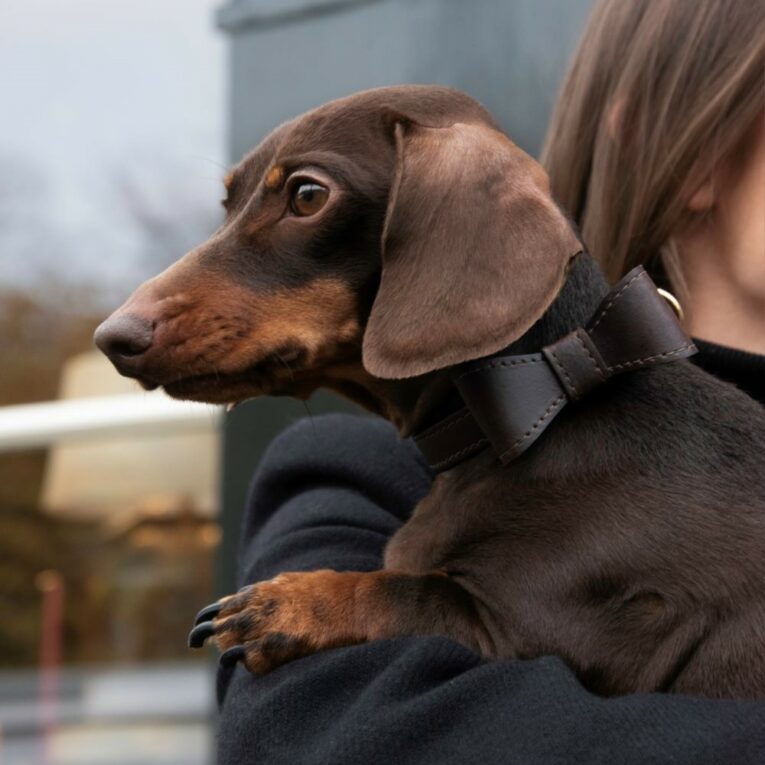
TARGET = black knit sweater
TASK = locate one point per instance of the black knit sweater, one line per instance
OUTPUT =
(745, 370)
(328, 494)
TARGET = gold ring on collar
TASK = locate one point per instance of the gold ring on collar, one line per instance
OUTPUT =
(673, 301)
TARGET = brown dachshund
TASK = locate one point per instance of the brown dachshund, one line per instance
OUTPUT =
(372, 245)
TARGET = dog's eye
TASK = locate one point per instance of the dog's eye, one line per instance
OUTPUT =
(308, 199)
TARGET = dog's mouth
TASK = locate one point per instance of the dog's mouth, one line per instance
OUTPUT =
(278, 374)
(289, 370)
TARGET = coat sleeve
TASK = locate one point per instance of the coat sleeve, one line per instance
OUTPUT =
(328, 494)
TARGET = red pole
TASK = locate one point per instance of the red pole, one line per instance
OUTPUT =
(51, 585)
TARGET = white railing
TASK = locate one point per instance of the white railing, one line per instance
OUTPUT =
(35, 426)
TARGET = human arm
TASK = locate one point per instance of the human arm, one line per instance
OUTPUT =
(329, 494)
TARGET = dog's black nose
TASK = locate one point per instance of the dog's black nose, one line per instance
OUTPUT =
(124, 336)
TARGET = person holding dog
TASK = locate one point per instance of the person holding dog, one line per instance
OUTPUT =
(656, 149)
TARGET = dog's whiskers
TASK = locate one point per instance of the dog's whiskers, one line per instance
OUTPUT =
(287, 366)
(309, 413)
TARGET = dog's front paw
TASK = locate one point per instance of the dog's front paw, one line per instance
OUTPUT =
(269, 623)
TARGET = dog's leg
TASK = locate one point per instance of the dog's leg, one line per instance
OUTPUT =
(295, 614)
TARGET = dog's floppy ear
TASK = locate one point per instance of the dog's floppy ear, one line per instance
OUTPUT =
(473, 251)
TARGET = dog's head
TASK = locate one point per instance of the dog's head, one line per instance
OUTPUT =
(397, 228)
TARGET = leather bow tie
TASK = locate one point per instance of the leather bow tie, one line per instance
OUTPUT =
(510, 400)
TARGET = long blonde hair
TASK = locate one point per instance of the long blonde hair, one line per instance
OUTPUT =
(659, 92)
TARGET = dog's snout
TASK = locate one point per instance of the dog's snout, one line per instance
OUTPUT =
(124, 337)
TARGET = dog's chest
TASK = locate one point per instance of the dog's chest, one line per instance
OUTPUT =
(449, 525)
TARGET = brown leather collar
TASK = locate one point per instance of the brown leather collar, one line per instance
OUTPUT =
(510, 400)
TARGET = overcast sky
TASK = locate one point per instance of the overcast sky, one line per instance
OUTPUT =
(97, 95)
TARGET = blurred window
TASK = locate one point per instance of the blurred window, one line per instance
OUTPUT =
(111, 158)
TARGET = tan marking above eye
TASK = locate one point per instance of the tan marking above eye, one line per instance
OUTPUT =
(228, 182)
(308, 198)
(274, 177)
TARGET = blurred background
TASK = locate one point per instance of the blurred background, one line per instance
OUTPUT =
(119, 509)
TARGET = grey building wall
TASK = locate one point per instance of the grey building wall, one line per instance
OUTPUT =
(289, 55)
(286, 56)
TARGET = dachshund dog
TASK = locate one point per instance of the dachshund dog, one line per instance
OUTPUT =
(373, 246)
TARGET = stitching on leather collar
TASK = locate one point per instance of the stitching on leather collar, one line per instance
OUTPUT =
(555, 404)
(531, 359)
(559, 366)
(613, 300)
(587, 350)
(444, 426)
(480, 442)
(647, 359)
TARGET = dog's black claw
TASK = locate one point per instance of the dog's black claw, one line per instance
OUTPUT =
(233, 655)
(207, 613)
(200, 633)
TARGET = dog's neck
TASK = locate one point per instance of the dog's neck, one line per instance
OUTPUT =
(584, 289)
(416, 403)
